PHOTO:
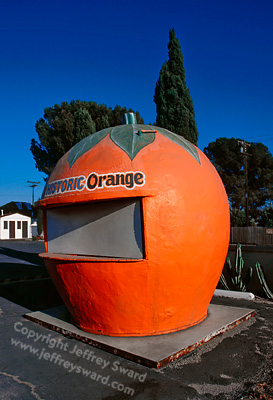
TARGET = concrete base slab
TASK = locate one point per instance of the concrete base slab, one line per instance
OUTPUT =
(151, 351)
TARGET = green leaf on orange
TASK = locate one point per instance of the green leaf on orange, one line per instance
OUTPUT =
(130, 138)
(181, 141)
(86, 144)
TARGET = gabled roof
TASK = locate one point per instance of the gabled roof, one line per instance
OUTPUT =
(13, 214)
(17, 207)
(21, 205)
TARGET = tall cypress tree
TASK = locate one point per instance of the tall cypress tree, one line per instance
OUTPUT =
(174, 106)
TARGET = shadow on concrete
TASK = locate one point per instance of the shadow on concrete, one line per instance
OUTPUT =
(24, 279)
(10, 272)
(35, 295)
(32, 258)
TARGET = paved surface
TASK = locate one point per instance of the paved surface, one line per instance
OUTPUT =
(23, 276)
(37, 363)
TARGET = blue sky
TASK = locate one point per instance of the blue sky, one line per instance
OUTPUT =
(111, 52)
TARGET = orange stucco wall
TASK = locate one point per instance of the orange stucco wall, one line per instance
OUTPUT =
(186, 236)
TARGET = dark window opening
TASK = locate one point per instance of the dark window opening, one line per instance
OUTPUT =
(25, 229)
(111, 229)
(12, 229)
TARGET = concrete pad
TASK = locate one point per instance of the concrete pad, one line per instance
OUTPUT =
(151, 351)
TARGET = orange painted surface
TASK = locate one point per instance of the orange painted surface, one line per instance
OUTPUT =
(186, 236)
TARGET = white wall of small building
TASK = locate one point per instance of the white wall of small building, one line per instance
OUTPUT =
(5, 233)
(34, 228)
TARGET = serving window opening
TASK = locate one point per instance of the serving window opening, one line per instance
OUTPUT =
(108, 229)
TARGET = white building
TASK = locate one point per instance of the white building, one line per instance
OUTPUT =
(15, 226)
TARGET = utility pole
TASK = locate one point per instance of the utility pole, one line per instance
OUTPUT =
(33, 185)
(243, 150)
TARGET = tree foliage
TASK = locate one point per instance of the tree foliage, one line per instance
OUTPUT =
(174, 104)
(237, 217)
(266, 218)
(225, 155)
(62, 126)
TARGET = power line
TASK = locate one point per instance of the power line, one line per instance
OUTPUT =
(232, 159)
(260, 136)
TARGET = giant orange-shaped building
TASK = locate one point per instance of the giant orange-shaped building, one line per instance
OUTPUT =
(136, 223)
